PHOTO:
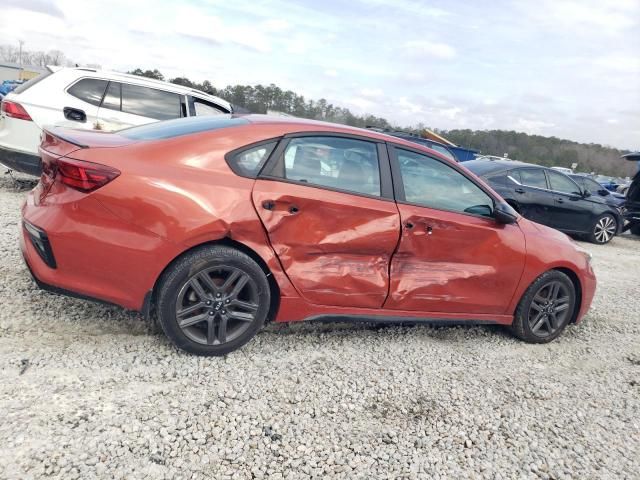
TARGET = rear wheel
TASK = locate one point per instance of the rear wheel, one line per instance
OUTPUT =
(213, 300)
(604, 229)
(545, 308)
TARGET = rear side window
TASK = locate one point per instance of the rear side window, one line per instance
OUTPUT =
(89, 90)
(248, 161)
(150, 103)
(334, 162)
(533, 177)
(112, 97)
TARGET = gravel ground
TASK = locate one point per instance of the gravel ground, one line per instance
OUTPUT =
(89, 391)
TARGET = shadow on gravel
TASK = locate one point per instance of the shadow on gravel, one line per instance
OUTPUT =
(435, 330)
(9, 181)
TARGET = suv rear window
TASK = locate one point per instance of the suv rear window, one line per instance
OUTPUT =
(89, 90)
(181, 126)
(150, 103)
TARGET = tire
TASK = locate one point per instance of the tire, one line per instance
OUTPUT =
(635, 230)
(603, 229)
(213, 300)
(536, 324)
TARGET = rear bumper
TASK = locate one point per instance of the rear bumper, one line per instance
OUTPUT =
(96, 255)
(20, 161)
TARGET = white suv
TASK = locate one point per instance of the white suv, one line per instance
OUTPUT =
(90, 99)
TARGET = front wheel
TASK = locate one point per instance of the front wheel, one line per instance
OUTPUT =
(545, 308)
(213, 300)
(604, 229)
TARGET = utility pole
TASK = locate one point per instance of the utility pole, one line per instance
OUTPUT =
(21, 42)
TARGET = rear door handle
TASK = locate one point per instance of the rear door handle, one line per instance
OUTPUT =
(519, 190)
(268, 204)
(560, 200)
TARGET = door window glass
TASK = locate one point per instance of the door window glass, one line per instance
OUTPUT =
(202, 107)
(340, 163)
(249, 162)
(562, 183)
(431, 183)
(149, 102)
(89, 90)
(112, 97)
(533, 177)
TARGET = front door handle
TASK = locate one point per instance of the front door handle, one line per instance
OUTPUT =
(560, 200)
(519, 190)
(293, 209)
(268, 204)
(429, 230)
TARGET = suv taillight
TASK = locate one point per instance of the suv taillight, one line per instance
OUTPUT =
(83, 176)
(15, 110)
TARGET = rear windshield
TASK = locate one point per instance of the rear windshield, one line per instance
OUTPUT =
(32, 82)
(181, 126)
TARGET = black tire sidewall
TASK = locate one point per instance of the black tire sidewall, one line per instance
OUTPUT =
(182, 269)
(521, 327)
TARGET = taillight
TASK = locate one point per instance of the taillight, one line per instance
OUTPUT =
(83, 176)
(15, 110)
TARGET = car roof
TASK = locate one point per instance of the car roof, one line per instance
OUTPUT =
(288, 125)
(486, 167)
(147, 82)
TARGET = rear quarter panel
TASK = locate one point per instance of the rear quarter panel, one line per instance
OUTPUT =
(182, 190)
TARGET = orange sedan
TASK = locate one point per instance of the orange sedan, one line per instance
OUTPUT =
(219, 224)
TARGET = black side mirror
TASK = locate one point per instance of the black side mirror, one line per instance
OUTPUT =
(504, 214)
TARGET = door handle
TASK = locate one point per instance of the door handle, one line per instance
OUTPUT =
(293, 209)
(408, 225)
(268, 204)
(74, 114)
(559, 200)
(519, 190)
(429, 229)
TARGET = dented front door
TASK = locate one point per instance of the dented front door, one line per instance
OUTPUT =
(335, 247)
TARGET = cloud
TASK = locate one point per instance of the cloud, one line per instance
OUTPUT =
(424, 48)
(38, 6)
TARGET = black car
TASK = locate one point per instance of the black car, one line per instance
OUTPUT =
(411, 137)
(551, 198)
(632, 205)
(587, 183)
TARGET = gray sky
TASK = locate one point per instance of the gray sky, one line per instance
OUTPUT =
(565, 68)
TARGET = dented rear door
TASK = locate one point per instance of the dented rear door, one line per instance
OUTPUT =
(334, 245)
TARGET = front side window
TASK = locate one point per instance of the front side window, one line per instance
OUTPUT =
(431, 183)
(89, 90)
(533, 177)
(334, 162)
(150, 103)
(562, 183)
(202, 107)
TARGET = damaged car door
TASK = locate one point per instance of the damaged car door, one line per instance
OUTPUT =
(326, 202)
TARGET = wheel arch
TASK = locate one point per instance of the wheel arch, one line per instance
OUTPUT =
(578, 286)
(150, 297)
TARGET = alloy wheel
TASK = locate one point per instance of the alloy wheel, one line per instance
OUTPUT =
(549, 309)
(605, 229)
(217, 305)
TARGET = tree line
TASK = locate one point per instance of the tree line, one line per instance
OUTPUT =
(548, 151)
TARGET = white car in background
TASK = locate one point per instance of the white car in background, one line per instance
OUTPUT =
(90, 99)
